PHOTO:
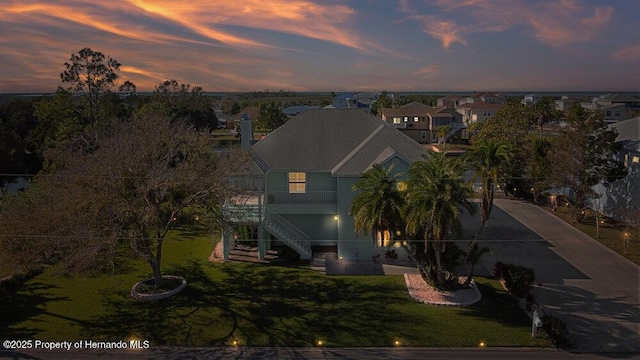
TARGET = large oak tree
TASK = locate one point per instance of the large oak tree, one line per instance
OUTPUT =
(130, 189)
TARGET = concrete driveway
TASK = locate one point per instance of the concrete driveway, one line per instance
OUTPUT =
(593, 289)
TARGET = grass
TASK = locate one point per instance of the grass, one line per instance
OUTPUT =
(256, 305)
(611, 233)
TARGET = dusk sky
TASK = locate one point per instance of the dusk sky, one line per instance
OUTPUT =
(326, 45)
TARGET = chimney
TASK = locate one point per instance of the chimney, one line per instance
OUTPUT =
(246, 132)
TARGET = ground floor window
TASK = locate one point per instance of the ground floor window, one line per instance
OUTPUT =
(383, 238)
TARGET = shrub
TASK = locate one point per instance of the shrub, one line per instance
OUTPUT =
(517, 279)
(498, 270)
(556, 331)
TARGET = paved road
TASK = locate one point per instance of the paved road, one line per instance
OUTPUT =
(316, 353)
(593, 289)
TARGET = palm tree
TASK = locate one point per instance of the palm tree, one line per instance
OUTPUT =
(486, 159)
(435, 198)
(442, 133)
(377, 206)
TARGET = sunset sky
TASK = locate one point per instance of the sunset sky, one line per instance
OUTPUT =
(326, 45)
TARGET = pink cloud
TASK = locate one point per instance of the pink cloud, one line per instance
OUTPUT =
(631, 53)
(556, 24)
(427, 71)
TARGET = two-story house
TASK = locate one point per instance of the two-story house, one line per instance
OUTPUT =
(477, 112)
(611, 113)
(421, 122)
(623, 195)
(300, 185)
(450, 101)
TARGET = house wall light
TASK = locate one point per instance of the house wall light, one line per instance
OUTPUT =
(335, 218)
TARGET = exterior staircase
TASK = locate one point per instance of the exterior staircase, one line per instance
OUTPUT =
(275, 224)
(455, 127)
(243, 253)
(286, 232)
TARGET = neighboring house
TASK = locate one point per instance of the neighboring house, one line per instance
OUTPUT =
(421, 122)
(623, 195)
(565, 103)
(630, 102)
(450, 101)
(530, 99)
(299, 187)
(354, 101)
(612, 112)
(295, 110)
(477, 112)
(486, 97)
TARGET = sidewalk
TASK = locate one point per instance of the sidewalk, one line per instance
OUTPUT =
(592, 288)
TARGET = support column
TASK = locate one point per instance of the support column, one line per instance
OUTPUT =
(228, 243)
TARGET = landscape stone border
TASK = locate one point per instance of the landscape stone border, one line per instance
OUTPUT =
(425, 293)
(150, 297)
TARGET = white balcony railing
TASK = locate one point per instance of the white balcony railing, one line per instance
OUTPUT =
(312, 197)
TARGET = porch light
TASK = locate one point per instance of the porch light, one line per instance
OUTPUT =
(401, 186)
(482, 344)
(398, 233)
(335, 218)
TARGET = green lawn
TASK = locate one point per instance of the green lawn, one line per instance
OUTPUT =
(257, 305)
(611, 233)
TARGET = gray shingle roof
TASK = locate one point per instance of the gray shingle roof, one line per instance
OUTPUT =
(344, 142)
(628, 133)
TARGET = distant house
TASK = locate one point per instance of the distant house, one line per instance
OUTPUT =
(565, 103)
(421, 122)
(611, 112)
(295, 110)
(450, 101)
(477, 112)
(630, 102)
(486, 97)
(300, 185)
(530, 99)
(354, 101)
(624, 194)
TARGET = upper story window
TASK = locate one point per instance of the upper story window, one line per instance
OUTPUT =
(415, 118)
(406, 118)
(297, 182)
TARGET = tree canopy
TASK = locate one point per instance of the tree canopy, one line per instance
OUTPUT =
(91, 73)
(584, 155)
(270, 116)
(130, 189)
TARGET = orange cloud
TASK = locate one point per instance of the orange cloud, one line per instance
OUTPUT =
(445, 31)
(631, 53)
(556, 24)
(298, 17)
(563, 23)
